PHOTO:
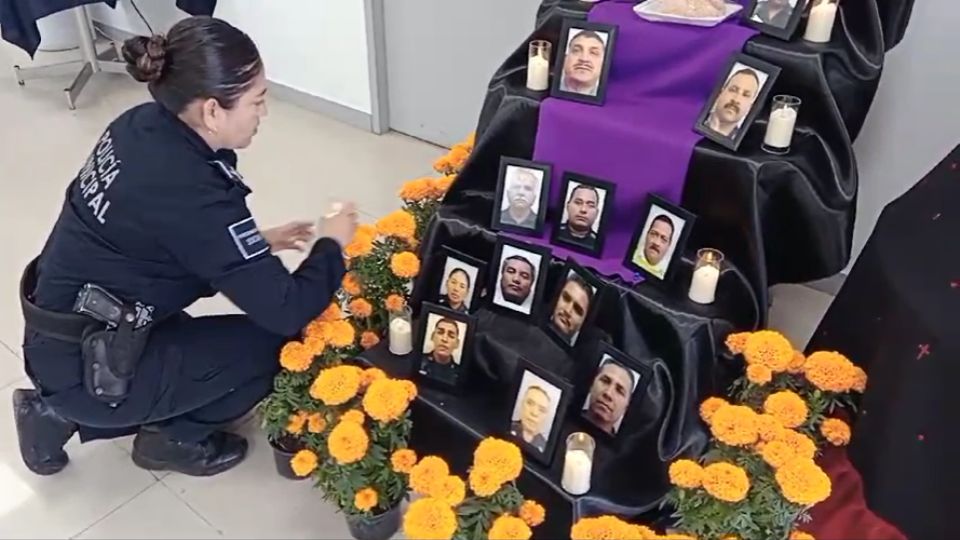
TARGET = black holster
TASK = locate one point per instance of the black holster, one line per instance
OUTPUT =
(110, 354)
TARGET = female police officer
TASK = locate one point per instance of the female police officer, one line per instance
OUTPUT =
(156, 218)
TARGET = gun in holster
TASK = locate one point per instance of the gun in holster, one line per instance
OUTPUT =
(110, 333)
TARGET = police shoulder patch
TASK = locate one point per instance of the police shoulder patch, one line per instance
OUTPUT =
(248, 239)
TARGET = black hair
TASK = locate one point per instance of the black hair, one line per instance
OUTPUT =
(466, 276)
(200, 58)
(533, 269)
(666, 219)
(588, 34)
(614, 361)
(447, 320)
(582, 283)
(584, 186)
(745, 71)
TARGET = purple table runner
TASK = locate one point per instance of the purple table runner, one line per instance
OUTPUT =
(642, 138)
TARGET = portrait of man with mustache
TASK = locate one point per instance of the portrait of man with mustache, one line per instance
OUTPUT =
(583, 62)
(651, 254)
(734, 103)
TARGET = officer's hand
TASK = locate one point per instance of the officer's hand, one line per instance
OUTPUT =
(340, 226)
(294, 235)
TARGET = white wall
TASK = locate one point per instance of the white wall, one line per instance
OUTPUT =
(316, 46)
(915, 119)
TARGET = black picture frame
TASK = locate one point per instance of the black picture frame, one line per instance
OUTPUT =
(420, 366)
(689, 218)
(535, 295)
(545, 454)
(556, 85)
(609, 188)
(605, 353)
(786, 33)
(733, 142)
(496, 222)
(589, 279)
(479, 282)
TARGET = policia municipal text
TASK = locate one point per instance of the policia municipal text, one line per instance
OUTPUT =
(156, 219)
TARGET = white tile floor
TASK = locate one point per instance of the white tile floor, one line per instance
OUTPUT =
(102, 494)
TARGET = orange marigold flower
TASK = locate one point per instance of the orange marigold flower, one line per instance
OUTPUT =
(342, 334)
(336, 385)
(532, 513)
(405, 265)
(351, 284)
(359, 247)
(411, 389)
(768, 427)
(348, 443)
(332, 313)
(296, 357)
(398, 224)
(830, 371)
(796, 363)
(353, 415)
(442, 164)
(403, 460)
(602, 528)
(450, 490)
(835, 431)
(316, 423)
(366, 231)
(507, 527)
(303, 463)
(470, 141)
(800, 535)
(859, 380)
(686, 473)
(315, 344)
(386, 400)
(770, 349)
(440, 186)
(371, 374)
(777, 453)
(485, 481)
(737, 342)
(369, 340)
(759, 374)
(395, 303)
(365, 499)
(429, 519)
(360, 308)
(425, 475)
(457, 157)
(726, 482)
(710, 406)
(416, 190)
(675, 536)
(802, 446)
(735, 425)
(640, 532)
(296, 422)
(787, 407)
(803, 482)
(503, 456)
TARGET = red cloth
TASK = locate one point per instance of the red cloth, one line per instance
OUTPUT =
(845, 516)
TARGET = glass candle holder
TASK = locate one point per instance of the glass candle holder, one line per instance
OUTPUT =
(538, 65)
(823, 13)
(401, 331)
(706, 276)
(578, 463)
(781, 125)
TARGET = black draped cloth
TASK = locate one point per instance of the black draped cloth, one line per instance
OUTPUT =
(18, 18)
(897, 317)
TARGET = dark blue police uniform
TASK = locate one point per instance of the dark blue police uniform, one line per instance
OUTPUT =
(159, 219)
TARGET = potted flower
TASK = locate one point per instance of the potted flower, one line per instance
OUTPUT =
(493, 508)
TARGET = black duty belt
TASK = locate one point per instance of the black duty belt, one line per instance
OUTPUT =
(69, 327)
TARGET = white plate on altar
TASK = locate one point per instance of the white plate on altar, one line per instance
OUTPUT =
(650, 11)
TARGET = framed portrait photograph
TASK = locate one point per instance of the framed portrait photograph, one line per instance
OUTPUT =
(444, 338)
(540, 403)
(660, 238)
(586, 51)
(586, 209)
(737, 100)
(522, 189)
(519, 277)
(574, 305)
(461, 281)
(616, 384)
(777, 18)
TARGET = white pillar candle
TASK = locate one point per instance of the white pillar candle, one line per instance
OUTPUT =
(538, 73)
(577, 467)
(780, 128)
(820, 23)
(401, 339)
(703, 288)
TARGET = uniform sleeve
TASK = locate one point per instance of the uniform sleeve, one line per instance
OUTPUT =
(215, 238)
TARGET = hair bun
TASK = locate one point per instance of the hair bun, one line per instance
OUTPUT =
(145, 57)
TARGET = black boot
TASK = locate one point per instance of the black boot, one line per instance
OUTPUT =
(41, 433)
(155, 451)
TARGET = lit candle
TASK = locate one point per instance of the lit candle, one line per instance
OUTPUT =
(401, 337)
(820, 23)
(706, 276)
(577, 467)
(538, 65)
(783, 119)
